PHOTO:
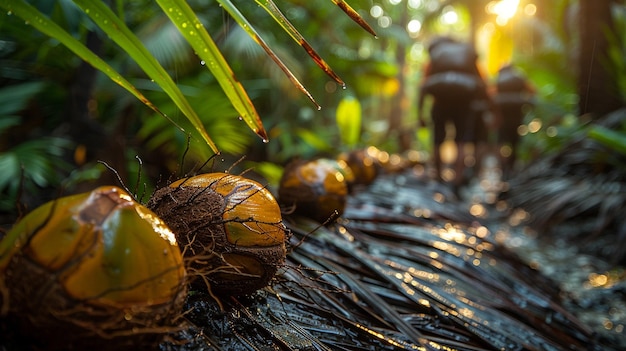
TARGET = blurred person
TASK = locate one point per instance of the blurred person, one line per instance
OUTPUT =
(459, 97)
(513, 95)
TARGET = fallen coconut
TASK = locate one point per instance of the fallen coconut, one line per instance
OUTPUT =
(229, 228)
(316, 189)
(95, 270)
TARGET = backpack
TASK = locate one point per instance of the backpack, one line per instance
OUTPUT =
(452, 85)
(509, 81)
(453, 56)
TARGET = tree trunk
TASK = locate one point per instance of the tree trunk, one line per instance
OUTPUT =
(597, 87)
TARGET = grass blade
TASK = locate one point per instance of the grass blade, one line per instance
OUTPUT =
(115, 28)
(243, 22)
(193, 30)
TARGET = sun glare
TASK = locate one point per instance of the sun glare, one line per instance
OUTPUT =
(449, 16)
(503, 9)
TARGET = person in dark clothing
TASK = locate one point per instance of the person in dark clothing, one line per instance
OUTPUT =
(453, 80)
(513, 94)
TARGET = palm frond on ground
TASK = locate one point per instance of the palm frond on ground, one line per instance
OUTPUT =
(585, 183)
(386, 277)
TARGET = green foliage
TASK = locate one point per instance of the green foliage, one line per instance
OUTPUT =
(215, 112)
(616, 59)
(163, 45)
(31, 163)
(349, 121)
(36, 163)
(549, 68)
(40, 21)
(190, 26)
(615, 140)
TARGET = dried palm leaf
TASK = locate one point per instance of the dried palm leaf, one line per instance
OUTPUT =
(585, 182)
(386, 278)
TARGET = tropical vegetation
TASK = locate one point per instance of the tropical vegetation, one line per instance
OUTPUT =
(90, 87)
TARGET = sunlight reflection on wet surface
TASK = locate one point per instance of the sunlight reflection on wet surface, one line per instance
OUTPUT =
(589, 284)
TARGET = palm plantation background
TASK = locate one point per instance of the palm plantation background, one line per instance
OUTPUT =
(60, 115)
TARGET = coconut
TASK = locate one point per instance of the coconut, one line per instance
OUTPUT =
(229, 228)
(94, 270)
(316, 189)
(364, 164)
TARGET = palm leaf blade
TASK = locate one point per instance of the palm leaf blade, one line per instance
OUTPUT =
(42, 23)
(181, 14)
(245, 24)
(115, 28)
(279, 17)
(354, 16)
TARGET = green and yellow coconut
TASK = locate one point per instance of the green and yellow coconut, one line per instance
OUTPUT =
(230, 230)
(95, 270)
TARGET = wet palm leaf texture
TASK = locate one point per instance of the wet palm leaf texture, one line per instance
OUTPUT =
(386, 276)
(583, 184)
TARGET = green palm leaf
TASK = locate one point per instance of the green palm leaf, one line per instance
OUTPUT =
(42, 23)
(115, 28)
(245, 24)
(185, 19)
(279, 17)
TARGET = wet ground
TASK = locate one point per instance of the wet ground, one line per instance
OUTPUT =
(591, 288)
(410, 265)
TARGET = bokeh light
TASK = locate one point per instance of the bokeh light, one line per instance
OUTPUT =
(503, 9)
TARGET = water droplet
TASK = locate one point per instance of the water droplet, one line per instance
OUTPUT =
(344, 87)
(184, 24)
(240, 118)
(265, 141)
(319, 108)
(202, 63)
(198, 25)
(192, 32)
(9, 13)
(26, 22)
(87, 10)
(170, 9)
(152, 80)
